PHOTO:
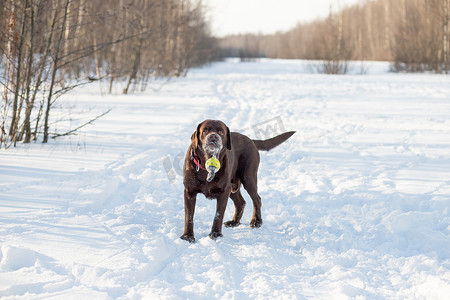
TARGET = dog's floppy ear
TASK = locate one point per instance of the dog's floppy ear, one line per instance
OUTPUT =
(228, 138)
(195, 138)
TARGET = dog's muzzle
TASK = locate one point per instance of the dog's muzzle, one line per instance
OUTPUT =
(213, 144)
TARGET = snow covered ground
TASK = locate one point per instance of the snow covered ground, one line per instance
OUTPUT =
(355, 204)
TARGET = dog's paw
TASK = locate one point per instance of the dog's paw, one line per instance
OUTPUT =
(188, 238)
(215, 235)
(231, 224)
(256, 223)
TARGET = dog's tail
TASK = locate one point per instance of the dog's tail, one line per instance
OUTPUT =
(266, 145)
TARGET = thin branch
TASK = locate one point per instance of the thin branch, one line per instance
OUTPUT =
(73, 131)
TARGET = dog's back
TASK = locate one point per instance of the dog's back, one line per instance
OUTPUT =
(246, 155)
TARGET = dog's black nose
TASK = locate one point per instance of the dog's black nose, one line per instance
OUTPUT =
(213, 138)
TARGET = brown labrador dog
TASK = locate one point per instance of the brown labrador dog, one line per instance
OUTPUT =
(238, 161)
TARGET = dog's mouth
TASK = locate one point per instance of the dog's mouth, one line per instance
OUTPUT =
(214, 143)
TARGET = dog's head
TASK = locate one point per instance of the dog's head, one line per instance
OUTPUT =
(212, 137)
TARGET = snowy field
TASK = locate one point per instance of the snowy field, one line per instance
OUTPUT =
(355, 205)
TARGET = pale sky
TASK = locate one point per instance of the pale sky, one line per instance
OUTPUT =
(266, 16)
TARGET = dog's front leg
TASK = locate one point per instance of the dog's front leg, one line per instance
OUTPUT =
(216, 230)
(189, 209)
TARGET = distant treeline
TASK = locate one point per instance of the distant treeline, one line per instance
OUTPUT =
(48, 47)
(414, 34)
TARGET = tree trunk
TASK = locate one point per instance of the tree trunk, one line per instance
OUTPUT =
(446, 34)
(42, 66)
(54, 70)
(13, 129)
(97, 63)
(67, 31)
(29, 103)
(387, 27)
(79, 23)
(136, 62)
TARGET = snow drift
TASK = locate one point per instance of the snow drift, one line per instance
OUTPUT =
(355, 204)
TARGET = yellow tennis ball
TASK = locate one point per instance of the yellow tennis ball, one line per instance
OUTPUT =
(213, 162)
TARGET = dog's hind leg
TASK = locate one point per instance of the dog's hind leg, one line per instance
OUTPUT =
(252, 189)
(256, 219)
(239, 205)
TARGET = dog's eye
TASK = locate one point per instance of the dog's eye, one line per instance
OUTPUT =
(220, 131)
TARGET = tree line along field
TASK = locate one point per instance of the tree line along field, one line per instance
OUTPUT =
(413, 34)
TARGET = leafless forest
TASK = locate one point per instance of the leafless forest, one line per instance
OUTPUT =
(414, 34)
(48, 47)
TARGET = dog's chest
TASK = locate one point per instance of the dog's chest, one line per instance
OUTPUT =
(212, 191)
